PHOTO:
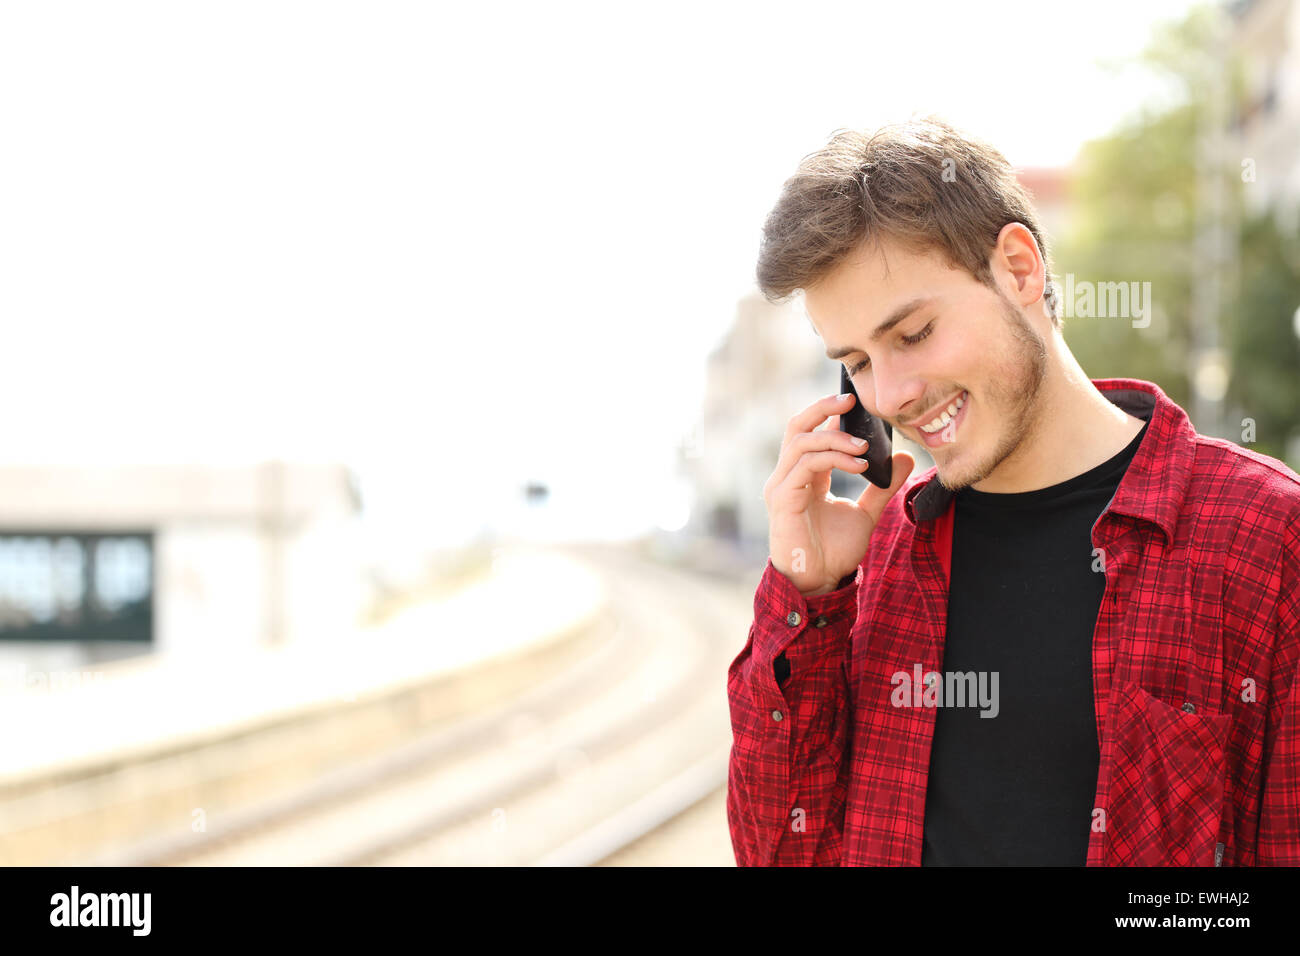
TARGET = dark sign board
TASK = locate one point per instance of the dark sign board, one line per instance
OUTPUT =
(63, 585)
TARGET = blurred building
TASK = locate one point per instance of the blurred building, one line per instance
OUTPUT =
(757, 377)
(1265, 131)
(103, 562)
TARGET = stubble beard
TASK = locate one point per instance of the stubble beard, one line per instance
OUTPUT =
(1010, 399)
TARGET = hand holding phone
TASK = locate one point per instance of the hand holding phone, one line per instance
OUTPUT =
(814, 537)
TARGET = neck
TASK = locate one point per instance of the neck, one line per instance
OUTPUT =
(1076, 429)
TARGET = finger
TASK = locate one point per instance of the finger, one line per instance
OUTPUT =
(822, 483)
(816, 413)
(810, 464)
(815, 441)
(874, 498)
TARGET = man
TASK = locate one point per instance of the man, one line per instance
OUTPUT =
(1075, 640)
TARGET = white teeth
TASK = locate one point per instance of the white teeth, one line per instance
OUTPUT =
(947, 416)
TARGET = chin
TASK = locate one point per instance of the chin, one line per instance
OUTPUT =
(949, 479)
(953, 475)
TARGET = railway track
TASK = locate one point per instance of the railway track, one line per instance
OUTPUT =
(565, 774)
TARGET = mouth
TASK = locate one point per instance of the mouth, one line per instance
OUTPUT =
(946, 433)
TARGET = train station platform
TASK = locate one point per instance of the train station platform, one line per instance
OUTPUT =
(71, 723)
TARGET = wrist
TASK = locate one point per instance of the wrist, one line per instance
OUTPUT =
(831, 588)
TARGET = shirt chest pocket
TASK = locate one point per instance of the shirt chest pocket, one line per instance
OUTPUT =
(1167, 782)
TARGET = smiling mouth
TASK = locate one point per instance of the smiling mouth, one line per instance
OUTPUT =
(944, 430)
(917, 423)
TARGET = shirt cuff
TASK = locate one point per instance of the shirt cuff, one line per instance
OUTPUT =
(781, 613)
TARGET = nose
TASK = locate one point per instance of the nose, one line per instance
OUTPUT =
(896, 396)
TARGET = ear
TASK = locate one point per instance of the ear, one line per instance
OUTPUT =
(1017, 264)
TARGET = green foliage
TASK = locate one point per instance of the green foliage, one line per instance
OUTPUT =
(1135, 197)
(1265, 384)
(1133, 201)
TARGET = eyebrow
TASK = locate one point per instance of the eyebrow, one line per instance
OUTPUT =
(900, 314)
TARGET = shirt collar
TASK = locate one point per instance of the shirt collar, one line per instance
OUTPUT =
(1155, 483)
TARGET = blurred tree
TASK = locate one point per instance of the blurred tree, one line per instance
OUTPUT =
(1137, 199)
(1133, 197)
(1263, 342)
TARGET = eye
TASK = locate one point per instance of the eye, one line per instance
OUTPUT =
(909, 339)
(913, 339)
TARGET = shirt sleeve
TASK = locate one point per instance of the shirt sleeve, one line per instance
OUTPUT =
(1278, 840)
(788, 773)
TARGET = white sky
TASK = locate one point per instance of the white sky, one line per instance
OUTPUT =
(456, 247)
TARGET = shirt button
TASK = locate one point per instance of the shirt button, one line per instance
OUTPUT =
(776, 715)
(821, 621)
(931, 679)
(793, 618)
(1189, 707)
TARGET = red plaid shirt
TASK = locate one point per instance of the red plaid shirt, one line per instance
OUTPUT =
(1195, 658)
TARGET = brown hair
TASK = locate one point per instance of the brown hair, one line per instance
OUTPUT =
(921, 182)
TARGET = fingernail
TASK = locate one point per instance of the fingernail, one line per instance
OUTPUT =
(844, 395)
(858, 441)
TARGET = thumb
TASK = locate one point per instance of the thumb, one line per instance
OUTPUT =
(874, 498)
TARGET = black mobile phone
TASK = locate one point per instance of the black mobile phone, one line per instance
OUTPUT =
(860, 423)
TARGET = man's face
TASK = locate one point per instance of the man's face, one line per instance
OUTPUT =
(966, 340)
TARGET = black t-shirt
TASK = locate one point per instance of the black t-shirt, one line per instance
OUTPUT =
(1016, 788)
